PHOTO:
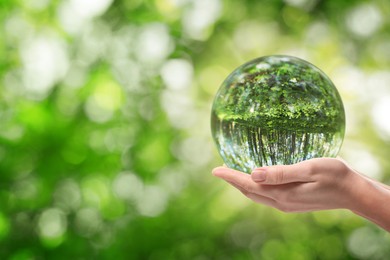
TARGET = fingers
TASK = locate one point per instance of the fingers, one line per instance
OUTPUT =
(282, 174)
(276, 196)
(255, 197)
(245, 184)
(238, 178)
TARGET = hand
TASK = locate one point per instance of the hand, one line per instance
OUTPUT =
(315, 184)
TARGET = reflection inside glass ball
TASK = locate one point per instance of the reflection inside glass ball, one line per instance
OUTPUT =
(276, 110)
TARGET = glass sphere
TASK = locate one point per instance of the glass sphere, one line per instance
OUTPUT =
(276, 110)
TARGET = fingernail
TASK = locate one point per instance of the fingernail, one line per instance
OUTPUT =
(216, 170)
(258, 175)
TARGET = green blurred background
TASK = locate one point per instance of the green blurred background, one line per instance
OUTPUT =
(105, 145)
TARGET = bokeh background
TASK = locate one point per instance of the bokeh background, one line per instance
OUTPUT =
(105, 145)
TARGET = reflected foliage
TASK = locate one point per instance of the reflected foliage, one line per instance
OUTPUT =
(276, 110)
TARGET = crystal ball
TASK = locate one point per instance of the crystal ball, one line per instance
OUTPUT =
(276, 110)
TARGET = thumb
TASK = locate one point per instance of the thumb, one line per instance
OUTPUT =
(282, 174)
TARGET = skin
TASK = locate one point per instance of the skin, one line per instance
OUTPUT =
(312, 185)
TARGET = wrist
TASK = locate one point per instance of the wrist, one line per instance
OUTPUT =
(369, 200)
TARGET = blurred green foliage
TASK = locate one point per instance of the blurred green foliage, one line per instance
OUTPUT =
(105, 148)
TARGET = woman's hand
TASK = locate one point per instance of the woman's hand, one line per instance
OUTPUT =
(316, 184)
(310, 185)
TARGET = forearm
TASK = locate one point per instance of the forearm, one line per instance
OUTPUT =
(372, 201)
(377, 182)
